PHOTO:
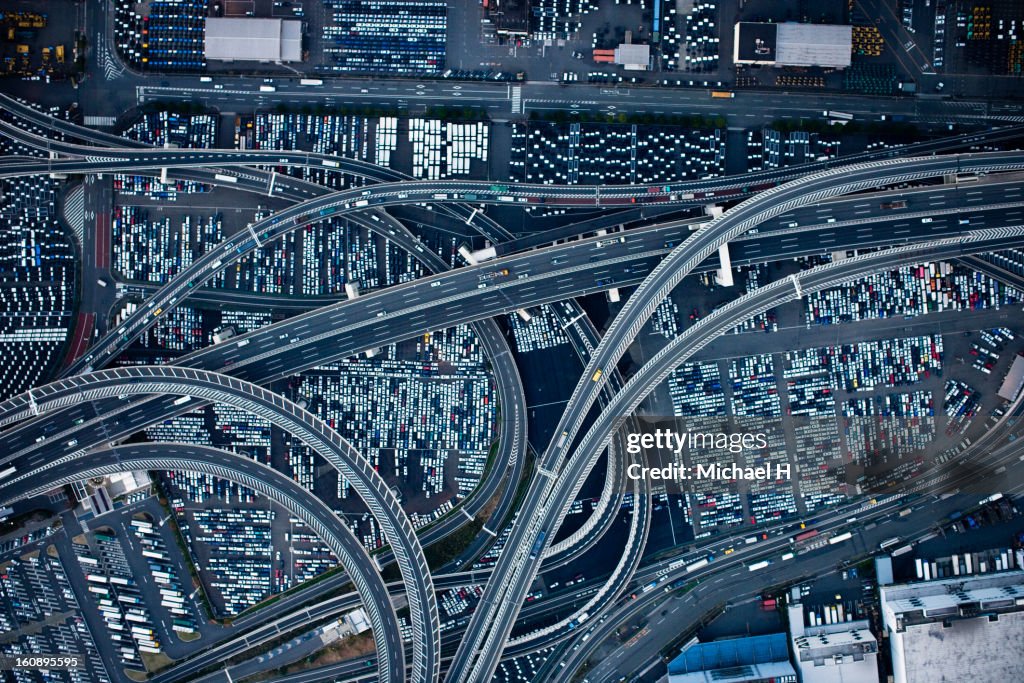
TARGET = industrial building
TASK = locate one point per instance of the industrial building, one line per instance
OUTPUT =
(253, 40)
(756, 659)
(1014, 380)
(633, 57)
(792, 44)
(956, 629)
(844, 652)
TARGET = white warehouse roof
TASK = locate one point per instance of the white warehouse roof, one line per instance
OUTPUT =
(963, 628)
(828, 45)
(1014, 380)
(253, 39)
(635, 57)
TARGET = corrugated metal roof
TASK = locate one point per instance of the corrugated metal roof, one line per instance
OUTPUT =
(736, 652)
(1014, 380)
(828, 45)
(253, 39)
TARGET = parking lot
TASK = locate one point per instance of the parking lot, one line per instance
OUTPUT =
(867, 413)
(35, 588)
(116, 593)
(437, 401)
(233, 546)
(161, 36)
(615, 154)
(399, 37)
(37, 267)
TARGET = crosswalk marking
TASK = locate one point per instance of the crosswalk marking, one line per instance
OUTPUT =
(74, 212)
(517, 99)
(112, 68)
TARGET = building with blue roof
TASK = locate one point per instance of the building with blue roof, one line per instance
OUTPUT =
(756, 659)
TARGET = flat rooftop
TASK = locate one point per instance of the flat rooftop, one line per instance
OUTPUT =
(953, 597)
(755, 43)
(253, 39)
(1014, 380)
(966, 650)
(793, 44)
(959, 629)
(826, 45)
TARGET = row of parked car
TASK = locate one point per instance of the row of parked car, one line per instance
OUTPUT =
(37, 270)
(386, 36)
(596, 153)
(120, 600)
(170, 36)
(32, 588)
(237, 553)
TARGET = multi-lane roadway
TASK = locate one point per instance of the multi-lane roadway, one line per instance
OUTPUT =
(268, 482)
(493, 622)
(196, 387)
(283, 349)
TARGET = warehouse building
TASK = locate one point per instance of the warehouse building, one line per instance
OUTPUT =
(755, 659)
(845, 652)
(633, 57)
(956, 629)
(792, 44)
(1011, 386)
(253, 40)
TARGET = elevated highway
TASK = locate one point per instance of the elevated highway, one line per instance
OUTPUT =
(268, 482)
(486, 638)
(588, 404)
(230, 250)
(345, 328)
(941, 145)
(721, 321)
(512, 436)
(212, 387)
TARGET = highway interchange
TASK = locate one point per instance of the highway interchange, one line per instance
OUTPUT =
(967, 220)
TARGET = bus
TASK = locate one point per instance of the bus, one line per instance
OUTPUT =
(699, 564)
(722, 94)
(842, 116)
(888, 543)
(310, 81)
(840, 538)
